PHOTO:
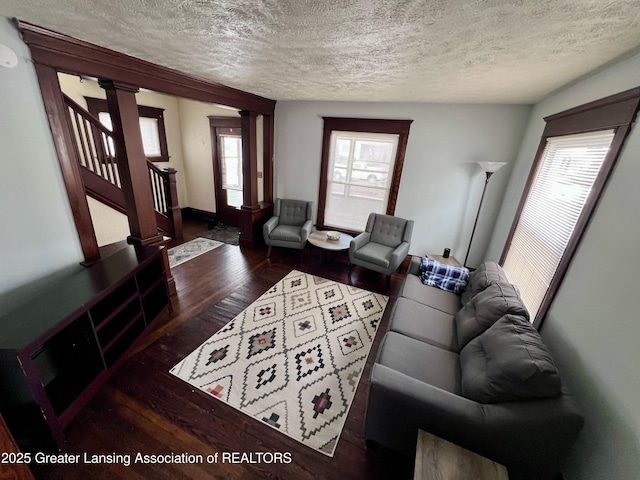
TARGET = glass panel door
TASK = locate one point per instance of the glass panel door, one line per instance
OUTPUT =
(231, 164)
(226, 139)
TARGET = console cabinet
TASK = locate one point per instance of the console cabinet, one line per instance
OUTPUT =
(58, 349)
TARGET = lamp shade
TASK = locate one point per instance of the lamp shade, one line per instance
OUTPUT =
(491, 167)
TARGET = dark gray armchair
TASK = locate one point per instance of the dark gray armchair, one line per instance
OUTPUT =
(383, 245)
(290, 226)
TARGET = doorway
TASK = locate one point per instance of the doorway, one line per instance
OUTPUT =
(226, 145)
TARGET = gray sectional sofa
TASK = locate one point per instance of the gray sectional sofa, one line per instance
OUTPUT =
(471, 369)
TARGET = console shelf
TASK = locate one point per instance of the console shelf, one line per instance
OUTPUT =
(58, 349)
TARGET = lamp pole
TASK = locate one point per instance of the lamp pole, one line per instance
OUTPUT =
(489, 169)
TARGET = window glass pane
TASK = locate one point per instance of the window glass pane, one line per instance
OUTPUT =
(148, 130)
(150, 136)
(565, 175)
(105, 119)
(231, 152)
(359, 177)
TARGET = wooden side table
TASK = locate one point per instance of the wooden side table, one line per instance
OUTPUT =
(437, 459)
(448, 261)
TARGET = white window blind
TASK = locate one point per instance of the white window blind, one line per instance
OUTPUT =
(359, 177)
(150, 136)
(565, 175)
(148, 130)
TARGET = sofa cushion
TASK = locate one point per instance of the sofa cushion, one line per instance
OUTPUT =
(486, 308)
(440, 275)
(421, 361)
(388, 230)
(286, 233)
(486, 274)
(424, 323)
(508, 362)
(374, 253)
(293, 212)
(414, 289)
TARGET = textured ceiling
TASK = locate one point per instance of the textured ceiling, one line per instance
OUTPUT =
(359, 50)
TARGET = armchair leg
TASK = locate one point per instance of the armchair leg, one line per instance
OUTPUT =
(351, 265)
(388, 282)
(269, 251)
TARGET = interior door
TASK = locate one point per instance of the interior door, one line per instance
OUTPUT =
(227, 167)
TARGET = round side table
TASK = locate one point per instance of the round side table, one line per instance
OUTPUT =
(320, 240)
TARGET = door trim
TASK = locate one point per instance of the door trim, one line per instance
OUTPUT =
(229, 215)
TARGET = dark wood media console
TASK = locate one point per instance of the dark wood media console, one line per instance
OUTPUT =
(57, 350)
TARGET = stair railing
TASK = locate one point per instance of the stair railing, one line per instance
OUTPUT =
(165, 196)
(94, 145)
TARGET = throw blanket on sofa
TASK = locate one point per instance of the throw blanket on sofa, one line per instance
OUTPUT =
(443, 276)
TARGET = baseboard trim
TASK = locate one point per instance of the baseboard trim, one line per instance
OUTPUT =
(191, 213)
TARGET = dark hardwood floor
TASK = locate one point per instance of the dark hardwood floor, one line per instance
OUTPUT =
(143, 408)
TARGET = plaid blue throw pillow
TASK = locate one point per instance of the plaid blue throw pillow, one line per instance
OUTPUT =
(443, 276)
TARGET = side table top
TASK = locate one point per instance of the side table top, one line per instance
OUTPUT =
(319, 239)
(448, 261)
(438, 459)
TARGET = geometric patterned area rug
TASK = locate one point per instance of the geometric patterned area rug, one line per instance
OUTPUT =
(190, 250)
(292, 359)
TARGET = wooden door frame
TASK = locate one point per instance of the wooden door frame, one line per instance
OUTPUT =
(229, 215)
(54, 53)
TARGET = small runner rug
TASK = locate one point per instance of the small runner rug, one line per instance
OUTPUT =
(190, 250)
(293, 359)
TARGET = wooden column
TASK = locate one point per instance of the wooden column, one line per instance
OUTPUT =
(132, 163)
(250, 206)
(249, 160)
(267, 149)
(133, 170)
(71, 175)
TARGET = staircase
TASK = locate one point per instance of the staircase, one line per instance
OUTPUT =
(94, 147)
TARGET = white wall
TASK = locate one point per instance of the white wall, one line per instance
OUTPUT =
(593, 326)
(109, 225)
(441, 184)
(196, 144)
(39, 235)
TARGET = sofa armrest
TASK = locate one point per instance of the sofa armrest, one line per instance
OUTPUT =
(268, 227)
(398, 255)
(535, 435)
(414, 266)
(358, 242)
(306, 230)
(444, 407)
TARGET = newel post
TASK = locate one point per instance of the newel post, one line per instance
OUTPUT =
(173, 208)
(133, 169)
(132, 163)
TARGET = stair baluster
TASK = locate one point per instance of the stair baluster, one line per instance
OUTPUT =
(95, 153)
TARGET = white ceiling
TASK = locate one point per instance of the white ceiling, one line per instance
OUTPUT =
(474, 51)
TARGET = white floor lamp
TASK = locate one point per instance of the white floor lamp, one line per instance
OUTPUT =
(489, 168)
